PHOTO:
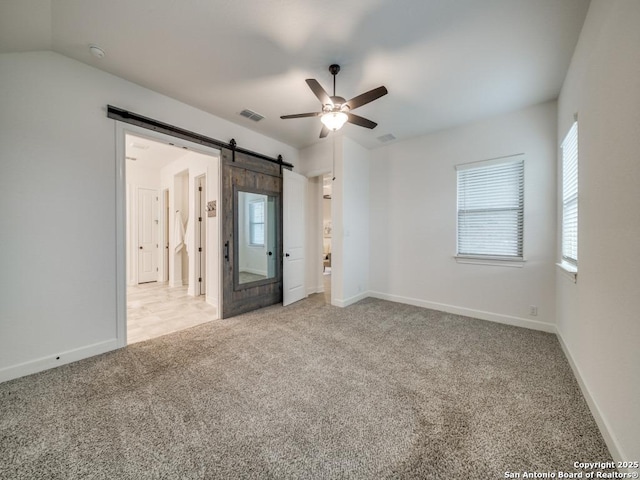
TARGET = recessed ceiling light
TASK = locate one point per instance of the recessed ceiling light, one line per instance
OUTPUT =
(96, 51)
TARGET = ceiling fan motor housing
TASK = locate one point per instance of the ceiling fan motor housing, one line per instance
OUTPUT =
(339, 105)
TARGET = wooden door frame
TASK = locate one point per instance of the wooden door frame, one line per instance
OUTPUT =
(200, 228)
(165, 235)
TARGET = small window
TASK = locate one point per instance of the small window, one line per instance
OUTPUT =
(256, 223)
(570, 197)
(491, 209)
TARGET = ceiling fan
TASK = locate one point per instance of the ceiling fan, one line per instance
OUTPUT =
(336, 111)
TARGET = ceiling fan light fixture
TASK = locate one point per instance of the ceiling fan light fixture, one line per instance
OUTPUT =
(336, 111)
(334, 120)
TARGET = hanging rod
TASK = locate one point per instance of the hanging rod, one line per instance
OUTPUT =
(131, 118)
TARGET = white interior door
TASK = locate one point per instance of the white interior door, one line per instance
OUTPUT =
(147, 235)
(294, 195)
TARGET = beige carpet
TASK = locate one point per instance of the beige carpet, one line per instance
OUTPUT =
(375, 391)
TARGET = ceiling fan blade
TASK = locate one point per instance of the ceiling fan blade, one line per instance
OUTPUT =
(367, 97)
(324, 132)
(360, 121)
(319, 92)
(301, 115)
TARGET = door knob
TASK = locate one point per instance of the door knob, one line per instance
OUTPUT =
(140, 247)
(286, 254)
(270, 253)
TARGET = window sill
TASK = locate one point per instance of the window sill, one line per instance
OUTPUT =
(568, 271)
(493, 261)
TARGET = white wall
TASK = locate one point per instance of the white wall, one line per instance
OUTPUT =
(413, 221)
(318, 159)
(183, 173)
(350, 213)
(598, 319)
(58, 172)
(350, 216)
(326, 221)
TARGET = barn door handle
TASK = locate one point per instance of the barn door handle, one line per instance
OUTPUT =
(226, 250)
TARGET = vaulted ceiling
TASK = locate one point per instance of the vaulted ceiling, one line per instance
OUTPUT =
(444, 62)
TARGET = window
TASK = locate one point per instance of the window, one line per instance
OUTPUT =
(491, 209)
(256, 223)
(570, 197)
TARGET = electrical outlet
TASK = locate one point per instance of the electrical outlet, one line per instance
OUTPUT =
(533, 310)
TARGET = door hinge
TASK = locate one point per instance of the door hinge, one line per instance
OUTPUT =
(199, 189)
(199, 219)
(199, 249)
(200, 279)
(157, 269)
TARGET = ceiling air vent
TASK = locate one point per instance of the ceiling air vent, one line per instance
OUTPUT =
(387, 138)
(251, 115)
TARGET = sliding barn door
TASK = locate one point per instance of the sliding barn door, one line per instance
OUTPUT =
(251, 233)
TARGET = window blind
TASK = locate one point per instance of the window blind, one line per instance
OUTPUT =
(570, 196)
(256, 223)
(491, 209)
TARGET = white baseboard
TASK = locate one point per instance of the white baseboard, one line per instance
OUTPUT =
(605, 430)
(603, 426)
(338, 302)
(468, 312)
(57, 359)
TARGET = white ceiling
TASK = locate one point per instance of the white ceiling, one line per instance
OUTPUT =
(444, 62)
(147, 153)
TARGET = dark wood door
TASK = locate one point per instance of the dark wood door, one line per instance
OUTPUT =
(246, 175)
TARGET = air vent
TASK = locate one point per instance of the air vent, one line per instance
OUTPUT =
(251, 115)
(387, 138)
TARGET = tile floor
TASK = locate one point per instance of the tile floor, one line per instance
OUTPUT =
(155, 309)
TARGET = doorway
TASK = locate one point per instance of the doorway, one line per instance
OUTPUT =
(171, 246)
(327, 233)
